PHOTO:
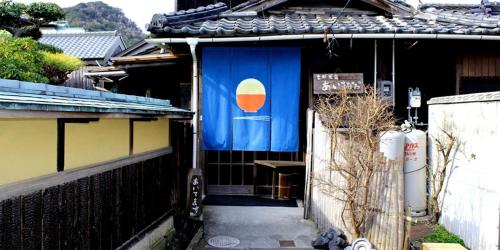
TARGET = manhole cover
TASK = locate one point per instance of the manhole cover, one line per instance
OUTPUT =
(223, 241)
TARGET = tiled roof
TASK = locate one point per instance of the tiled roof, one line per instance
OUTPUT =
(17, 95)
(427, 22)
(87, 45)
(465, 14)
(300, 24)
(188, 16)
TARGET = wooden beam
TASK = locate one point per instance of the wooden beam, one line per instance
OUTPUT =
(146, 58)
(264, 6)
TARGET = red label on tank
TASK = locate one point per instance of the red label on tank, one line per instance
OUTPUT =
(411, 146)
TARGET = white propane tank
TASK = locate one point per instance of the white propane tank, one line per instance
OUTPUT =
(416, 172)
(392, 145)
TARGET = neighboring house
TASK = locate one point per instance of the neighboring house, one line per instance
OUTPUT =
(441, 49)
(146, 70)
(94, 48)
(90, 169)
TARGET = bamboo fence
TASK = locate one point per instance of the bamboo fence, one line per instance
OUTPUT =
(385, 227)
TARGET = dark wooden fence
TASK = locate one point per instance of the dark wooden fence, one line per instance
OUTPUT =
(100, 211)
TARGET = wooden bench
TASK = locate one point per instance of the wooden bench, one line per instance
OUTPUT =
(275, 166)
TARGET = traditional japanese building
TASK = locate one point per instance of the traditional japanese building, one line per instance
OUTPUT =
(251, 57)
(441, 49)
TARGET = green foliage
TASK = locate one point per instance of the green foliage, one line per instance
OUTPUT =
(49, 48)
(57, 66)
(25, 20)
(5, 34)
(29, 31)
(45, 12)
(98, 16)
(25, 59)
(10, 12)
(21, 60)
(441, 235)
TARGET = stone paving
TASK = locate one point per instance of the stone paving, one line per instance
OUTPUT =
(259, 227)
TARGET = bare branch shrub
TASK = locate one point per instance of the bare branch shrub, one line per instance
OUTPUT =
(447, 144)
(353, 123)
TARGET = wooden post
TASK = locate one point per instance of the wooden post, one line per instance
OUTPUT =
(458, 74)
(309, 162)
(401, 218)
(406, 245)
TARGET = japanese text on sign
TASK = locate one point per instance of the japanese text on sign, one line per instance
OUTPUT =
(334, 83)
(195, 203)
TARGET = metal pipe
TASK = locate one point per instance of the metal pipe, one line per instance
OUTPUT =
(159, 41)
(193, 42)
(375, 67)
(393, 72)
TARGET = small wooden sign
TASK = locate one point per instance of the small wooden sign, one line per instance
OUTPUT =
(333, 83)
(195, 193)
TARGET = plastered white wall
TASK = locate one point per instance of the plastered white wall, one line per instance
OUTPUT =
(471, 199)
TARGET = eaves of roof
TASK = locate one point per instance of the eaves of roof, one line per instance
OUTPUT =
(25, 96)
(240, 24)
(316, 24)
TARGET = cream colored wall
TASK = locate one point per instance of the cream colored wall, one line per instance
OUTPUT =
(28, 148)
(94, 142)
(151, 135)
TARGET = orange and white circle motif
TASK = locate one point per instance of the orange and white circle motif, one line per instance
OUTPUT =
(250, 95)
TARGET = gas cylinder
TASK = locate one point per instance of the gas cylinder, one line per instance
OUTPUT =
(415, 171)
(392, 145)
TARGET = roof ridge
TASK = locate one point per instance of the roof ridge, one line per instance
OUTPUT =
(186, 16)
(86, 33)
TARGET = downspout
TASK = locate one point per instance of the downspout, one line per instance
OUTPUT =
(193, 42)
(393, 73)
(375, 67)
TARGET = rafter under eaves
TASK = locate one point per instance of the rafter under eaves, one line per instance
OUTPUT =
(257, 5)
(392, 7)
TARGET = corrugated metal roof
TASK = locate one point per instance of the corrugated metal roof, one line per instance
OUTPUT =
(86, 45)
(17, 95)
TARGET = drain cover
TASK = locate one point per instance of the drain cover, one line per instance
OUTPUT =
(287, 243)
(223, 241)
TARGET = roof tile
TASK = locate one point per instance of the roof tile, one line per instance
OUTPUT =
(88, 45)
(436, 19)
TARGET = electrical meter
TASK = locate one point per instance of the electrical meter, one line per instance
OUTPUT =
(414, 98)
(386, 91)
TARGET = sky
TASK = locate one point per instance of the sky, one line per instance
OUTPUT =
(141, 11)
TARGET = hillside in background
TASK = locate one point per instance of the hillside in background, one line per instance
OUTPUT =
(98, 16)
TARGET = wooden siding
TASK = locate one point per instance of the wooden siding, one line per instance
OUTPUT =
(100, 211)
(478, 65)
(78, 80)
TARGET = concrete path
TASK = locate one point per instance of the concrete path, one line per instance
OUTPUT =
(259, 227)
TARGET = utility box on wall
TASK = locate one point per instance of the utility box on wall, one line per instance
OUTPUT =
(387, 91)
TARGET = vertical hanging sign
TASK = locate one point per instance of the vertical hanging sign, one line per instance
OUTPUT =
(195, 193)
